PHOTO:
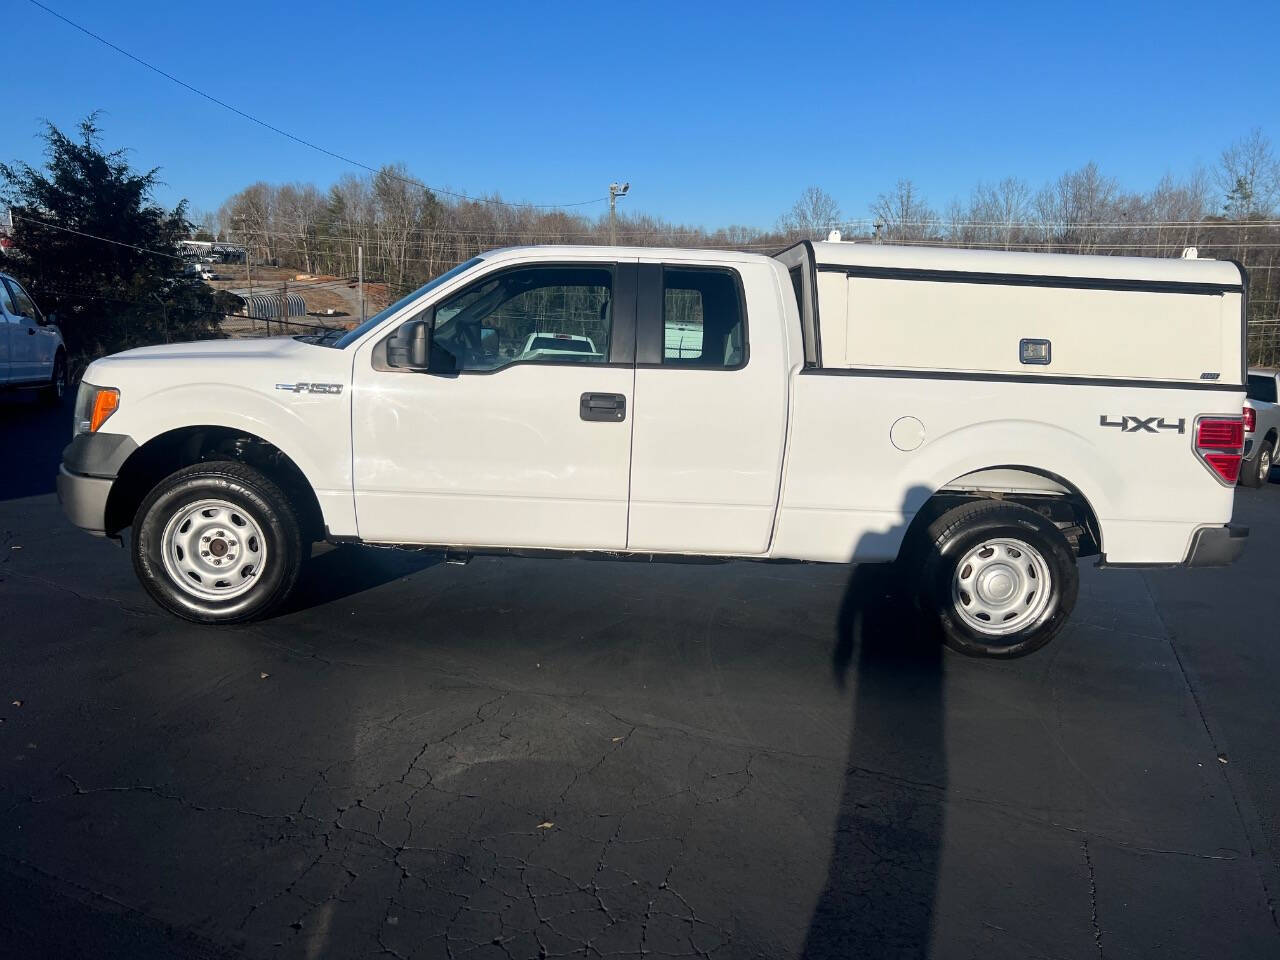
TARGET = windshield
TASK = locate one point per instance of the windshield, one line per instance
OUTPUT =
(351, 336)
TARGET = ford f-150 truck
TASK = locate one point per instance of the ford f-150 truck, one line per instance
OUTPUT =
(984, 418)
(1261, 427)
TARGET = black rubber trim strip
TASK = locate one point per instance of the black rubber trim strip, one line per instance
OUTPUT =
(1032, 280)
(98, 455)
(979, 377)
(1244, 320)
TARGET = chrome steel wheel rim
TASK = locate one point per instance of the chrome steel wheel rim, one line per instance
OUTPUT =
(214, 550)
(1001, 586)
(1264, 465)
(60, 380)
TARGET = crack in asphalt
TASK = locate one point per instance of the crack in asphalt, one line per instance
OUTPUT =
(1093, 896)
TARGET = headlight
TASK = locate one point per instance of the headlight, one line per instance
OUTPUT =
(94, 406)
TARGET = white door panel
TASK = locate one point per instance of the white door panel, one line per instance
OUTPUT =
(706, 459)
(707, 454)
(504, 453)
(501, 459)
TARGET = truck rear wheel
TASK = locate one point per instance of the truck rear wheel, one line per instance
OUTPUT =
(999, 578)
(217, 542)
(1257, 474)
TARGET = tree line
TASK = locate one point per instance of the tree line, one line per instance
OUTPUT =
(409, 234)
(93, 245)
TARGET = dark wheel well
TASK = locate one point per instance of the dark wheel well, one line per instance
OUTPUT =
(1070, 513)
(169, 452)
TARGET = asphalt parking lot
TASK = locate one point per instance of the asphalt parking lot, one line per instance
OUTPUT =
(522, 758)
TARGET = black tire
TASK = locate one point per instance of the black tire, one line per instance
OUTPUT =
(948, 540)
(246, 491)
(57, 388)
(1262, 474)
(1252, 473)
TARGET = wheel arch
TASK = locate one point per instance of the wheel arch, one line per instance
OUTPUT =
(1053, 496)
(167, 452)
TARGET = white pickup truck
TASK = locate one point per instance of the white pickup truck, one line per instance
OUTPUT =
(984, 418)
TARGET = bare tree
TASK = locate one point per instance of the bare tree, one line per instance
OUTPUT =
(812, 216)
(1248, 175)
(903, 215)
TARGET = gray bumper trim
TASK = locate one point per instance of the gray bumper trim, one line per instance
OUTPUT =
(84, 500)
(1217, 546)
(98, 454)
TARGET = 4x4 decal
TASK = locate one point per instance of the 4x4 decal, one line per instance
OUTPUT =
(1143, 424)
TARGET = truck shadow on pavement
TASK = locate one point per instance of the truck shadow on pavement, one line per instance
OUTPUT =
(878, 898)
(350, 569)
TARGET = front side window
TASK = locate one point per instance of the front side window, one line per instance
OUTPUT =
(702, 319)
(1262, 387)
(22, 304)
(529, 315)
(5, 300)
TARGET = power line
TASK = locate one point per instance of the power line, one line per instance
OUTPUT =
(294, 137)
(92, 236)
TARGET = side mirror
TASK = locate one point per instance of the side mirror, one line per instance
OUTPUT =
(51, 319)
(411, 346)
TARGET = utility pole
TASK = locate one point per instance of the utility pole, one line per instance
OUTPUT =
(616, 190)
(248, 277)
(360, 279)
(164, 312)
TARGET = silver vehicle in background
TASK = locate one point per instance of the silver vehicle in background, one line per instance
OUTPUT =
(32, 354)
(1261, 427)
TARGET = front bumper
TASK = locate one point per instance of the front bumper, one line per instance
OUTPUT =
(90, 465)
(1216, 546)
(84, 500)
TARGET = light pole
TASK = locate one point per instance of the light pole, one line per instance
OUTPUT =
(616, 190)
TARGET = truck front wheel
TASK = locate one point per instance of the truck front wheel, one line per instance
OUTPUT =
(1000, 579)
(217, 542)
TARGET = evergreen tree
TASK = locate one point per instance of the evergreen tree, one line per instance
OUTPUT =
(91, 244)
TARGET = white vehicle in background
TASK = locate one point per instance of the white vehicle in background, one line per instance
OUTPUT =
(984, 418)
(562, 345)
(1261, 427)
(32, 353)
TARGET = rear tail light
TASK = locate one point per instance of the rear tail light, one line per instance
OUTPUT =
(1220, 446)
(1250, 419)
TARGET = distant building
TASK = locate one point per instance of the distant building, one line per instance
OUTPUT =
(220, 251)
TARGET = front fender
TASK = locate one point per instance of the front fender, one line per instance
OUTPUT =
(313, 430)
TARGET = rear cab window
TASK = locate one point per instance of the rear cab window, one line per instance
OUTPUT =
(704, 323)
(1262, 387)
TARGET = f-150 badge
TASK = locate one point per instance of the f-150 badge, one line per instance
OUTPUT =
(332, 388)
(1143, 424)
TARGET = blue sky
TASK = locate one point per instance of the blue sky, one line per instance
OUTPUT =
(717, 113)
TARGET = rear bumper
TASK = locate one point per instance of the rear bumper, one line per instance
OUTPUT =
(1216, 546)
(1210, 547)
(84, 500)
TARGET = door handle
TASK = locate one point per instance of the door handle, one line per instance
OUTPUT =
(31, 331)
(602, 407)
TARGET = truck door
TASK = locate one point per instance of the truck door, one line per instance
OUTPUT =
(521, 435)
(27, 339)
(710, 410)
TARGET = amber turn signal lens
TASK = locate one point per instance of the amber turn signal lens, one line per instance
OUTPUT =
(104, 405)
